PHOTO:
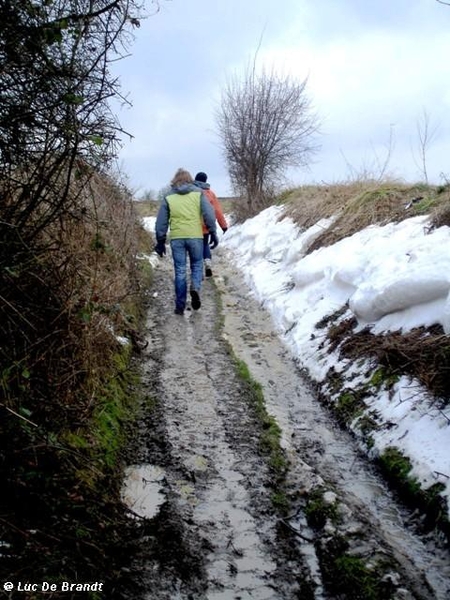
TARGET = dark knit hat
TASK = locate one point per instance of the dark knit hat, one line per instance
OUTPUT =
(203, 177)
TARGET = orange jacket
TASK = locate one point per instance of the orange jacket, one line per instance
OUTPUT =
(217, 209)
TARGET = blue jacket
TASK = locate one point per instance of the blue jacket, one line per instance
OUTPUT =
(182, 211)
(203, 185)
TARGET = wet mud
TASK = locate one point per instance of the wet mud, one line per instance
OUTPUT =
(201, 490)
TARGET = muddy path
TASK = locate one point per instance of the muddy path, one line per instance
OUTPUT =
(206, 526)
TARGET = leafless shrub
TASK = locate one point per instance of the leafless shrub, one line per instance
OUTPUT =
(266, 125)
(426, 133)
(62, 311)
(67, 230)
(56, 133)
(69, 282)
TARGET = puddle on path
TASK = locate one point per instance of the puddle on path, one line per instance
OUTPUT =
(142, 490)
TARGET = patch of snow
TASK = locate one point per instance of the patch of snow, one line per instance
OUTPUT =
(142, 489)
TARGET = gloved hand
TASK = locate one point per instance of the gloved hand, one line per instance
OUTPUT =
(213, 240)
(160, 248)
(224, 229)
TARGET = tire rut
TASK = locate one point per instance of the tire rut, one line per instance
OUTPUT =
(216, 481)
(323, 456)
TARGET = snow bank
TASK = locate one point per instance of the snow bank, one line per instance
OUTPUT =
(392, 277)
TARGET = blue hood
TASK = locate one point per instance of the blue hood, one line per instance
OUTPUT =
(185, 188)
(202, 185)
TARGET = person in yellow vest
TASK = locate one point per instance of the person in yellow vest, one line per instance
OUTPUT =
(183, 211)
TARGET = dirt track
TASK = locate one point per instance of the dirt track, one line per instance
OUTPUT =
(217, 534)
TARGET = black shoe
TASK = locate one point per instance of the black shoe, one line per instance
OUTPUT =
(179, 311)
(195, 300)
(208, 272)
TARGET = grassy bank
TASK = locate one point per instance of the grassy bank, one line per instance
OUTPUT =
(70, 330)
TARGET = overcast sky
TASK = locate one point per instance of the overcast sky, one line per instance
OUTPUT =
(374, 69)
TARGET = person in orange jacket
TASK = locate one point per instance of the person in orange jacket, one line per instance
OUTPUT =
(200, 181)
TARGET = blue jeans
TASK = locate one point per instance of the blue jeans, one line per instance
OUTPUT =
(206, 248)
(181, 248)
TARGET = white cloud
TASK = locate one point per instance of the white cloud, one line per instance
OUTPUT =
(372, 69)
(368, 86)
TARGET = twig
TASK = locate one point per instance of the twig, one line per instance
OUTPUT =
(294, 514)
(235, 550)
(443, 474)
(20, 416)
(135, 514)
(444, 415)
(300, 535)
(24, 533)
(18, 313)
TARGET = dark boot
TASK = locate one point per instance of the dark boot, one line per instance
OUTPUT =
(195, 300)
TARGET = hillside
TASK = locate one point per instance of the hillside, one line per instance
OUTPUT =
(72, 301)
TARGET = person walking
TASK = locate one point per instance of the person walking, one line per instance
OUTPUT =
(184, 210)
(200, 181)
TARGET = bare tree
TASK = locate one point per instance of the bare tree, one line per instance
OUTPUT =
(148, 195)
(426, 134)
(266, 125)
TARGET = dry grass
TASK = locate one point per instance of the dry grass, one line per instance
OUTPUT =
(146, 208)
(308, 204)
(440, 214)
(422, 353)
(360, 204)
